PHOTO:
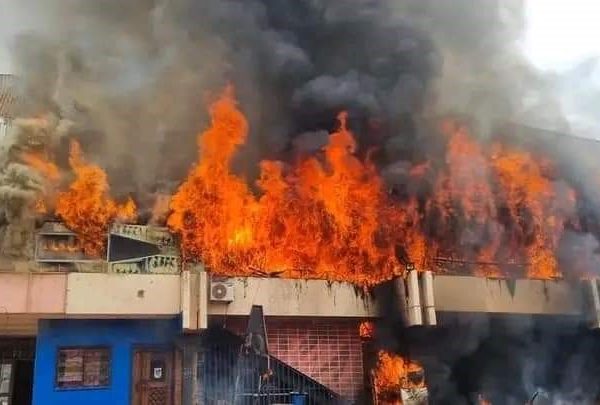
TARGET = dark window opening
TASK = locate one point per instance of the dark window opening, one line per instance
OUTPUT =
(83, 367)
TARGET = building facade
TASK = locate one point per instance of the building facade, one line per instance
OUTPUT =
(137, 328)
(90, 361)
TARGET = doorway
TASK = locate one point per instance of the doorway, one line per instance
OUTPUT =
(153, 377)
(16, 370)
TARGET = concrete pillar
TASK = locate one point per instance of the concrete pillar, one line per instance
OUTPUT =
(428, 299)
(592, 294)
(203, 286)
(400, 291)
(415, 314)
(189, 300)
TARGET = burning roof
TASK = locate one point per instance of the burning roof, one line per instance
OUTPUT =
(386, 186)
(492, 207)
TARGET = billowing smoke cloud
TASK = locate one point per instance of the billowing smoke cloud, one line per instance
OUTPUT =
(505, 359)
(134, 80)
(131, 80)
(135, 77)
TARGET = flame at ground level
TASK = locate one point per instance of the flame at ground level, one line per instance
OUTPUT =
(393, 374)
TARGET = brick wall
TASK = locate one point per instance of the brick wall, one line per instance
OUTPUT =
(328, 350)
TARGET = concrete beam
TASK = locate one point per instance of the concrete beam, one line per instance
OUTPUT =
(189, 301)
(23, 293)
(522, 296)
(123, 294)
(281, 297)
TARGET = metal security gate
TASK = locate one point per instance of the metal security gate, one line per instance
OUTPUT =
(16, 371)
(221, 367)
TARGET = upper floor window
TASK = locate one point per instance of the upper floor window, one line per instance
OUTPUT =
(83, 367)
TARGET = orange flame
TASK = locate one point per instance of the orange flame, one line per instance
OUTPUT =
(530, 197)
(40, 163)
(60, 245)
(329, 216)
(482, 401)
(48, 170)
(40, 207)
(392, 374)
(320, 219)
(86, 207)
(366, 330)
(466, 187)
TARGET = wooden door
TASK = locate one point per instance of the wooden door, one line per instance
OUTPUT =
(153, 377)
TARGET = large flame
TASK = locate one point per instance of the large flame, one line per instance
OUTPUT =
(487, 208)
(323, 218)
(86, 207)
(41, 163)
(329, 216)
(531, 199)
(394, 373)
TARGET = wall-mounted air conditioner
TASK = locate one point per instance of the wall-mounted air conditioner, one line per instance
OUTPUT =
(221, 291)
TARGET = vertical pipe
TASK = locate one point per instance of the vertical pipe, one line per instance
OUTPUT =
(593, 301)
(108, 238)
(400, 290)
(415, 314)
(428, 299)
(203, 285)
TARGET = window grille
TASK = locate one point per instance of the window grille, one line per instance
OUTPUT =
(83, 367)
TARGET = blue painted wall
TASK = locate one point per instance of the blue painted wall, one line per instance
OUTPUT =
(120, 335)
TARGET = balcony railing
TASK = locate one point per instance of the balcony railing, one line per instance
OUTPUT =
(150, 234)
(156, 264)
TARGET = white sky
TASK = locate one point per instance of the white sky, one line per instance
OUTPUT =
(562, 32)
(17, 16)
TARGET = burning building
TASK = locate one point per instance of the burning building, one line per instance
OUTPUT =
(180, 299)
(245, 202)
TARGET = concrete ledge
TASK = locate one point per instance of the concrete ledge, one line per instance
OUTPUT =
(283, 297)
(522, 296)
(24, 293)
(73, 295)
(123, 294)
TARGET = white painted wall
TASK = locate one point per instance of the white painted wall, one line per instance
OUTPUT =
(122, 294)
(280, 297)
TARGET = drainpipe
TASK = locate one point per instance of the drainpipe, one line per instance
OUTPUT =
(428, 298)
(592, 293)
(400, 290)
(414, 310)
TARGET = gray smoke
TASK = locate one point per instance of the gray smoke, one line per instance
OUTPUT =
(507, 359)
(135, 78)
(21, 185)
(131, 80)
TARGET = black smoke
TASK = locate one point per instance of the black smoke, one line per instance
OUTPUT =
(136, 77)
(132, 80)
(506, 359)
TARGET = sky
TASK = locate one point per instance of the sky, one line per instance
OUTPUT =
(15, 18)
(561, 33)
